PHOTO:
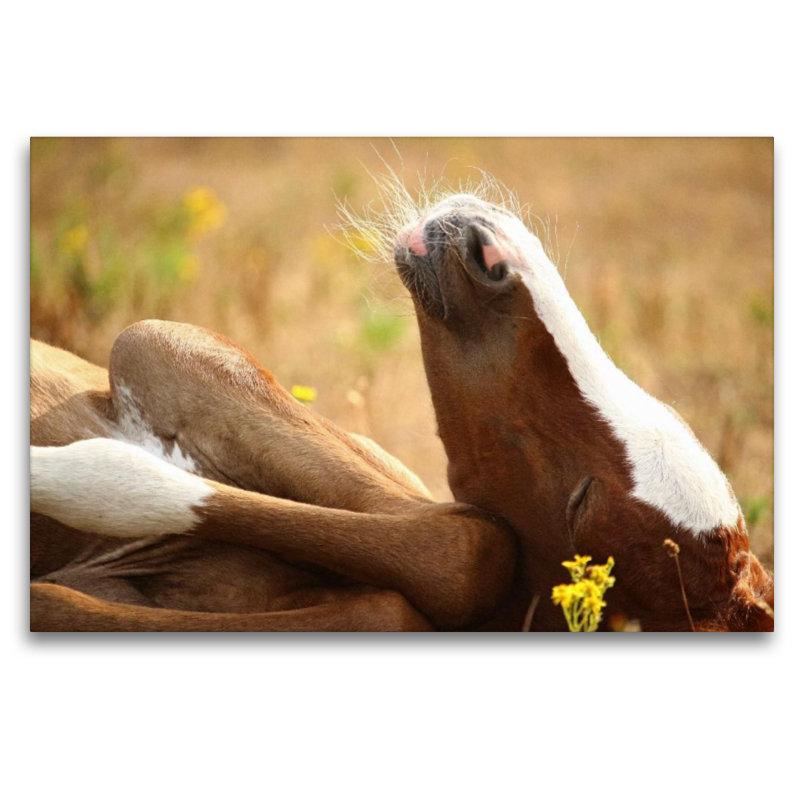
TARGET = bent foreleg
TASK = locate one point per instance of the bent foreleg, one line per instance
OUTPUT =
(451, 561)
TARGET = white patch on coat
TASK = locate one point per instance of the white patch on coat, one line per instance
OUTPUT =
(671, 470)
(113, 488)
(133, 429)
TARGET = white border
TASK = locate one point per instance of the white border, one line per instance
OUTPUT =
(456, 716)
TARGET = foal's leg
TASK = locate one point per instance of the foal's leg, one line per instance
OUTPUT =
(215, 411)
(58, 608)
(451, 561)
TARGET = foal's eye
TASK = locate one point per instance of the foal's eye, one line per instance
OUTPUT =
(579, 494)
(575, 502)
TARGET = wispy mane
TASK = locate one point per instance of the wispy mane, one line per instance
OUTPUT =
(372, 232)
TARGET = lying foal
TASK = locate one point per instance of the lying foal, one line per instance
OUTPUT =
(186, 490)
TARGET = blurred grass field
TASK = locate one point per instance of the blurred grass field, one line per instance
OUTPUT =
(666, 244)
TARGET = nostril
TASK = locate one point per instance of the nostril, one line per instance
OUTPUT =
(475, 247)
(483, 249)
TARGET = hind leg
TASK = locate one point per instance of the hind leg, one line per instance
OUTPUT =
(451, 561)
(208, 406)
(278, 477)
(109, 588)
(58, 608)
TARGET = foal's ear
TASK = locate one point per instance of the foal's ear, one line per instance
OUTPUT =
(756, 599)
(762, 604)
(761, 618)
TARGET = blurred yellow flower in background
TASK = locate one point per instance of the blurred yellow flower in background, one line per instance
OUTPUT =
(74, 240)
(206, 211)
(366, 242)
(305, 394)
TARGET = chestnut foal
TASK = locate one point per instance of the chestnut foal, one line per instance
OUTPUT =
(188, 485)
(185, 490)
(542, 429)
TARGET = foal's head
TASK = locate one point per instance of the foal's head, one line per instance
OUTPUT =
(541, 428)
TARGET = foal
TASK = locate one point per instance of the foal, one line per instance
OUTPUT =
(542, 429)
(271, 518)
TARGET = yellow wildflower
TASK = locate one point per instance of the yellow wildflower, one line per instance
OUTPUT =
(601, 574)
(365, 242)
(593, 604)
(582, 600)
(206, 211)
(305, 394)
(577, 567)
(74, 241)
(563, 594)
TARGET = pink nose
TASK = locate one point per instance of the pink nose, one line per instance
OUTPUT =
(416, 241)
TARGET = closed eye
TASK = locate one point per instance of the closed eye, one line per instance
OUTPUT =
(574, 503)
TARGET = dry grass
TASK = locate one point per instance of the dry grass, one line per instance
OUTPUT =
(670, 259)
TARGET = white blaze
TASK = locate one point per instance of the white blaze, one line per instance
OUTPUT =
(671, 470)
(112, 488)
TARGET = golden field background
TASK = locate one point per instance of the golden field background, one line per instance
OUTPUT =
(670, 258)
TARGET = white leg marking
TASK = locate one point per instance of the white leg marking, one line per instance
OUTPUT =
(113, 488)
(133, 429)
